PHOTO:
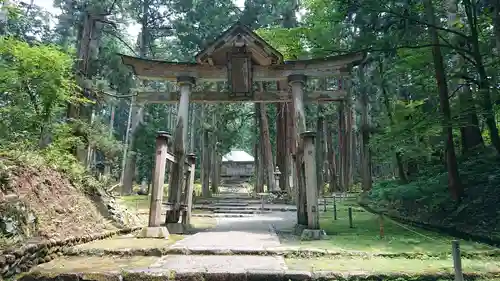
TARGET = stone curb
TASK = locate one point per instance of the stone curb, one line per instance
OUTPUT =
(17, 260)
(288, 253)
(156, 274)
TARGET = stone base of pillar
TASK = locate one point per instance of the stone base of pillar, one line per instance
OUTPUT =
(176, 228)
(159, 232)
(313, 234)
(298, 229)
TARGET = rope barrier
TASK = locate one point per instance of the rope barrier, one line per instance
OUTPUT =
(414, 231)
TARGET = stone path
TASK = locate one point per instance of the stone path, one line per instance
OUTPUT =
(238, 234)
(227, 264)
(232, 234)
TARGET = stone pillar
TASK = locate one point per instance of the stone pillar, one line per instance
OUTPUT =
(179, 149)
(297, 83)
(154, 230)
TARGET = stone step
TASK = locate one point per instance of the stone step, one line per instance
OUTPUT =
(227, 200)
(223, 215)
(229, 211)
(220, 264)
(231, 204)
(266, 208)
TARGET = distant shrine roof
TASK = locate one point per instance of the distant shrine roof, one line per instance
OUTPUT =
(237, 156)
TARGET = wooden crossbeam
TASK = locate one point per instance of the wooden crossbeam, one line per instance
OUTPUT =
(224, 97)
(151, 69)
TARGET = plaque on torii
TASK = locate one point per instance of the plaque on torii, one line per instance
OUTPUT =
(239, 57)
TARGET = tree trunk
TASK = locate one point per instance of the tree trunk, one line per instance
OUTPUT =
(399, 157)
(214, 151)
(366, 167)
(333, 183)
(259, 156)
(469, 123)
(496, 23)
(454, 184)
(267, 150)
(484, 84)
(205, 146)
(343, 147)
(130, 156)
(350, 145)
(320, 144)
(291, 144)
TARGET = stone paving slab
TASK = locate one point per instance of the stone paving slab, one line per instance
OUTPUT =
(232, 264)
(241, 233)
(228, 240)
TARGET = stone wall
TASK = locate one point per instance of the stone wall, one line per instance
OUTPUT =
(22, 259)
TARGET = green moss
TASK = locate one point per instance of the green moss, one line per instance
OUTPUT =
(365, 236)
(392, 266)
(101, 277)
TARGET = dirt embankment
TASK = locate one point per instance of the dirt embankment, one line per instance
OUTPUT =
(38, 203)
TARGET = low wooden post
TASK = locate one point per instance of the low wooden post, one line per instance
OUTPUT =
(159, 179)
(311, 179)
(350, 217)
(189, 189)
(457, 261)
(334, 208)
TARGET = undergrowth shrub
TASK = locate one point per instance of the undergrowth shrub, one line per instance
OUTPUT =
(57, 156)
(427, 198)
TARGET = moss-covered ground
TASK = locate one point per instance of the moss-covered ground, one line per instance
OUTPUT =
(365, 235)
(401, 250)
(96, 264)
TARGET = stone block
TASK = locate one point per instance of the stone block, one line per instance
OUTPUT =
(159, 232)
(176, 228)
(313, 234)
(298, 229)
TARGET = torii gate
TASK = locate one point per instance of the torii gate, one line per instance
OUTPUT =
(240, 57)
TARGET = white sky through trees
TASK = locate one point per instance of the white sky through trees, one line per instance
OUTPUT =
(133, 29)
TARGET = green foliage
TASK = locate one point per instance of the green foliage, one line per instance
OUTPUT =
(288, 41)
(427, 197)
(36, 84)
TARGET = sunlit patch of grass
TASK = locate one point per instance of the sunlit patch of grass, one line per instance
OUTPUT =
(365, 235)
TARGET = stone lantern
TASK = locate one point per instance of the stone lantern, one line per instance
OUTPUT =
(277, 175)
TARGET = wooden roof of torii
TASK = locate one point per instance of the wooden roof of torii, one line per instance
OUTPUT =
(262, 52)
(165, 70)
(214, 63)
